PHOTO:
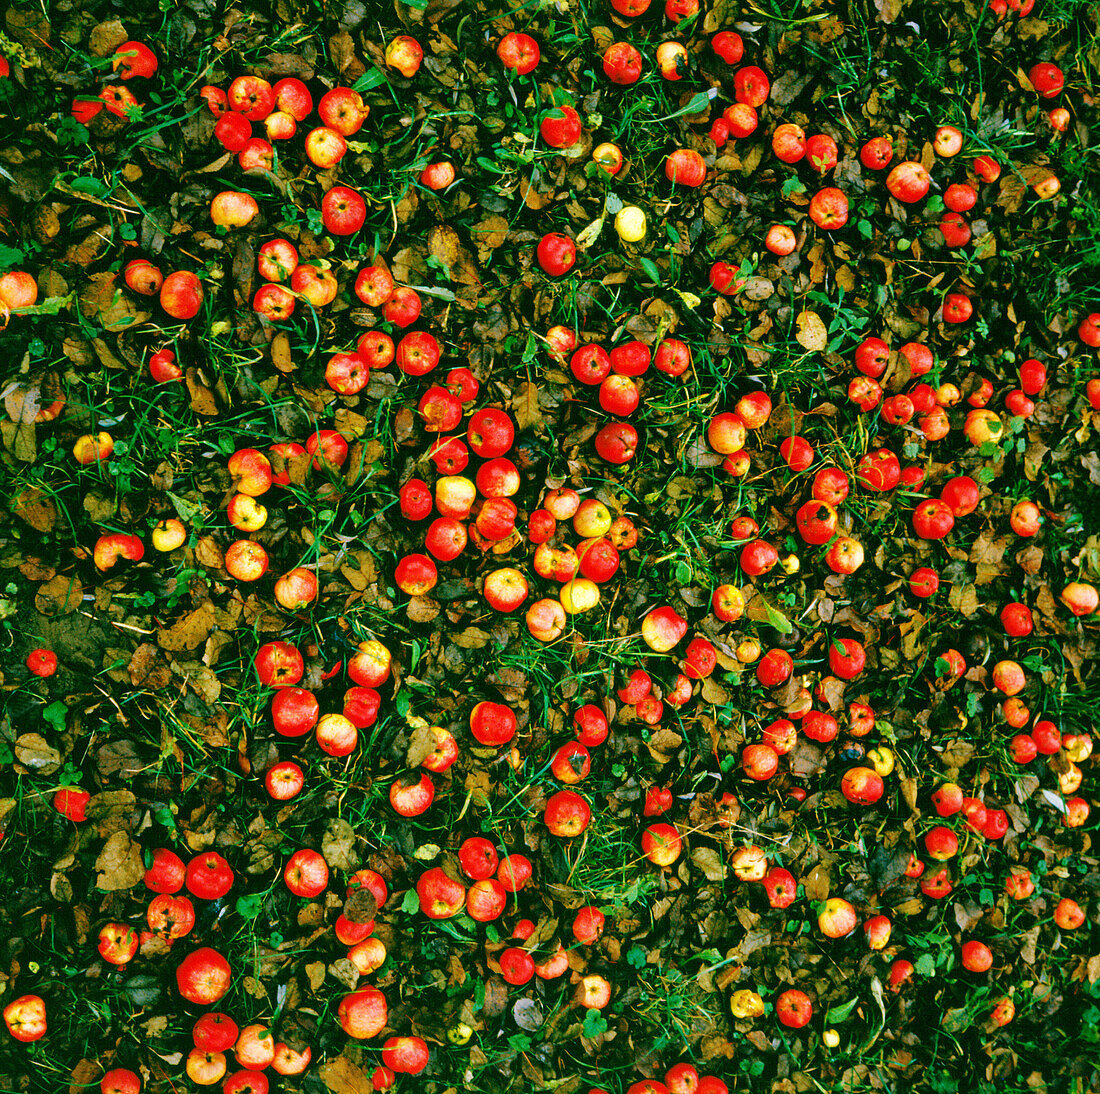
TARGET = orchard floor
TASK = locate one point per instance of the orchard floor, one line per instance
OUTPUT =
(967, 442)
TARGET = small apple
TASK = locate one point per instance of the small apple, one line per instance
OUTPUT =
(405, 54)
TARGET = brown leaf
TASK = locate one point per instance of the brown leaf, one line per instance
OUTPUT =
(202, 398)
(472, 638)
(422, 609)
(103, 302)
(810, 331)
(816, 883)
(342, 51)
(490, 232)
(663, 744)
(190, 631)
(34, 751)
(110, 811)
(36, 508)
(421, 746)
(445, 246)
(208, 553)
(315, 971)
(119, 864)
(350, 424)
(22, 401)
(60, 595)
(957, 753)
(91, 247)
(709, 862)
(341, 1076)
(337, 845)
(85, 1074)
(147, 669)
(280, 353)
(106, 37)
(525, 406)
(19, 440)
(1030, 559)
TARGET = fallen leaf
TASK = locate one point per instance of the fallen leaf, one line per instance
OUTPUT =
(190, 631)
(341, 1076)
(338, 844)
(34, 751)
(36, 508)
(119, 864)
(810, 331)
(525, 406)
(709, 862)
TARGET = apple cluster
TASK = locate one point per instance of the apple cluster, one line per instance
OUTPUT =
(130, 61)
(682, 1078)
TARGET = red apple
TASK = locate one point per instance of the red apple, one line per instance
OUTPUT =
(203, 976)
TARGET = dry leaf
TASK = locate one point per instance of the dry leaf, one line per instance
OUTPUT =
(36, 508)
(338, 844)
(119, 864)
(525, 406)
(202, 398)
(190, 631)
(341, 1076)
(810, 332)
(33, 751)
(709, 862)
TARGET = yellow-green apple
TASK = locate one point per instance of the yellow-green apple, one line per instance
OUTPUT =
(545, 620)
(314, 284)
(908, 181)
(505, 588)
(290, 1061)
(579, 595)
(246, 560)
(277, 259)
(245, 513)
(118, 943)
(296, 589)
(110, 548)
(233, 209)
(593, 992)
(284, 781)
(370, 665)
(486, 900)
(663, 628)
(293, 97)
(877, 931)
(140, 275)
(746, 1003)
